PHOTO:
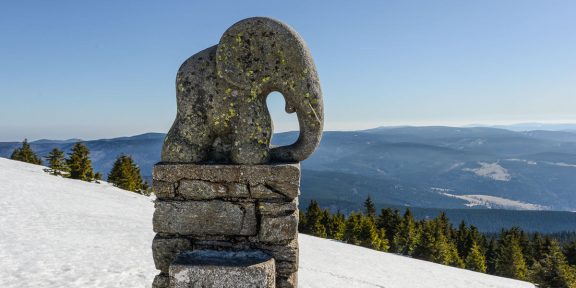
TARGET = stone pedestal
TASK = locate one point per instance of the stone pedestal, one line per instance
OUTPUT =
(226, 208)
(222, 269)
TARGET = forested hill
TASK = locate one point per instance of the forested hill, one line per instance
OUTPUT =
(440, 167)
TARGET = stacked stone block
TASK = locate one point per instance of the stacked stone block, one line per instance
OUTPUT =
(228, 208)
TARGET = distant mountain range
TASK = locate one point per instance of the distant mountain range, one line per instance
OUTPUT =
(439, 167)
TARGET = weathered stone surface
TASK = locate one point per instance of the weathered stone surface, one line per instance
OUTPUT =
(283, 178)
(205, 218)
(165, 250)
(161, 281)
(278, 208)
(204, 190)
(260, 191)
(287, 252)
(285, 268)
(219, 269)
(287, 282)
(278, 229)
(221, 97)
(163, 190)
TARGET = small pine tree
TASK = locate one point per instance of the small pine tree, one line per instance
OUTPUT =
(352, 229)
(389, 220)
(97, 177)
(475, 260)
(510, 259)
(407, 237)
(79, 163)
(570, 252)
(125, 174)
(491, 255)
(338, 226)
(553, 271)
(302, 223)
(369, 236)
(56, 162)
(26, 154)
(369, 208)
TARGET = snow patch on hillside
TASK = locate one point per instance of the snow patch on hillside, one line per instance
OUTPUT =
(57, 232)
(490, 170)
(561, 164)
(494, 202)
(529, 162)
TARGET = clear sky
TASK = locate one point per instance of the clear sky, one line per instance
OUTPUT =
(100, 69)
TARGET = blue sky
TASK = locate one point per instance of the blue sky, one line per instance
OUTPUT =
(98, 69)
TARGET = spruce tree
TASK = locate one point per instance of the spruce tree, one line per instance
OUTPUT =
(369, 208)
(26, 154)
(475, 260)
(389, 220)
(407, 237)
(79, 163)
(125, 174)
(314, 220)
(570, 252)
(553, 271)
(510, 259)
(338, 226)
(370, 237)
(352, 230)
(56, 162)
(491, 255)
(462, 235)
(302, 223)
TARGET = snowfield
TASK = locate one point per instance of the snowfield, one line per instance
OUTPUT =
(494, 202)
(491, 171)
(57, 232)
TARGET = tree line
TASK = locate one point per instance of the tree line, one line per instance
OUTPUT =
(124, 174)
(512, 253)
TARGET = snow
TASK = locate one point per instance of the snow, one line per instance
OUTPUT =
(490, 170)
(57, 232)
(529, 162)
(561, 164)
(496, 202)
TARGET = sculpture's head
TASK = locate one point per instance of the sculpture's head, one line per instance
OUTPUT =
(263, 55)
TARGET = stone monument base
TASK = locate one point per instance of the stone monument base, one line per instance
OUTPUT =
(221, 269)
(231, 208)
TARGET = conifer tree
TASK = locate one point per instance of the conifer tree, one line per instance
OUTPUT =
(510, 259)
(338, 226)
(369, 208)
(352, 230)
(97, 177)
(407, 237)
(314, 220)
(26, 154)
(570, 252)
(553, 271)
(491, 255)
(389, 220)
(125, 174)
(302, 223)
(370, 237)
(475, 260)
(79, 163)
(56, 162)
(462, 235)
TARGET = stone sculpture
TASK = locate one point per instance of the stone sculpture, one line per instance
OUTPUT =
(221, 96)
(221, 220)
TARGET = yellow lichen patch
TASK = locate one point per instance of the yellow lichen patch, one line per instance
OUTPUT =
(181, 87)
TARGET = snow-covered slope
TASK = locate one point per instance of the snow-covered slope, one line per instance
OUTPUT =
(57, 232)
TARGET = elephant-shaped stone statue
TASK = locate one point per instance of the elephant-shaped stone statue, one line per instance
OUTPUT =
(221, 96)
